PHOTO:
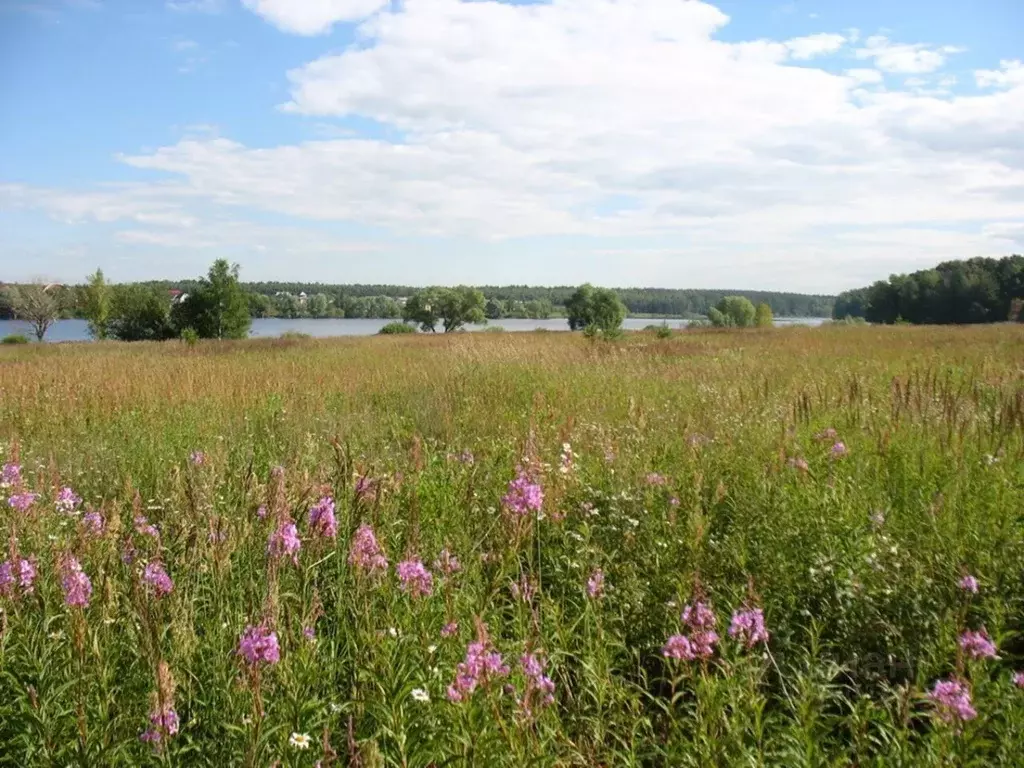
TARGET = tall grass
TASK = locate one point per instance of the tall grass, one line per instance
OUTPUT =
(843, 480)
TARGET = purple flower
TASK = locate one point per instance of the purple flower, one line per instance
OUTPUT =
(447, 563)
(978, 645)
(798, 463)
(969, 584)
(1018, 679)
(467, 458)
(197, 458)
(321, 518)
(540, 689)
(259, 645)
(523, 496)
(679, 647)
(309, 633)
(952, 700)
(146, 528)
(654, 479)
(19, 576)
(839, 449)
(365, 553)
(161, 723)
(366, 488)
(480, 666)
(10, 476)
(747, 627)
(449, 629)
(674, 501)
(261, 512)
(22, 502)
(827, 434)
(595, 584)
(415, 578)
(156, 578)
(700, 644)
(67, 501)
(76, 585)
(284, 542)
(523, 590)
(92, 523)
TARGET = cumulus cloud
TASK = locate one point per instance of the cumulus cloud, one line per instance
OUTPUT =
(815, 45)
(1010, 73)
(312, 17)
(903, 58)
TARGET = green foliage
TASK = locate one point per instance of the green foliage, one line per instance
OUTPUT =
(139, 313)
(451, 307)
(38, 304)
(494, 309)
(598, 307)
(733, 312)
(190, 337)
(14, 338)
(96, 305)
(318, 305)
(422, 308)
(295, 336)
(763, 317)
(661, 330)
(397, 328)
(217, 308)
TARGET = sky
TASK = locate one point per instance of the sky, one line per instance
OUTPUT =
(808, 145)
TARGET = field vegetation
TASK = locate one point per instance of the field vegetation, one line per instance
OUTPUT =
(790, 547)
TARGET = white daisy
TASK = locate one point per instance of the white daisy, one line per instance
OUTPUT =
(420, 695)
(300, 740)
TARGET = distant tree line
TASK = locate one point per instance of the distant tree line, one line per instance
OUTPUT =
(977, 290)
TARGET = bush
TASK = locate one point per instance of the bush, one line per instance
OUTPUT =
(396, 327)
(190, 336)
(662, 331)
(14, 338)
(295, 336)
(494, 329)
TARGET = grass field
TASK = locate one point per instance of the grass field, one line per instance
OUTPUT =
(845, 482)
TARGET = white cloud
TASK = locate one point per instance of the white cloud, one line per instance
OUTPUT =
(1010, 72)
(312, 17)
(865, 76)
(815, 45)
(904, 58)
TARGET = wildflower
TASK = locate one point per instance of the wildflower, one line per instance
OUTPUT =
(447, 563)
(309, 633)
(449, 629)
(156, 578)
(827, 434)
(92, 523)
(540, 689)
(420, 695)
(978, 645)
(22, 574)
(747, 627)
(700, 643)
(284, 541)
(67, 501)
(366, 489)
(259, 645)
(679, 647)
(300, 740)
(674, 501)
(952, 700)
(75, 583)
(146, 528)
(22, 501)
(481, 665)
(523, 496)
(415, 579)
(595, 584)
(10, 476)
(365, 553)
(969, 584)
(162, 722)
(654, 479)
(321, 518)
(197, 458)
(1018, 679)
(839, 449)
(261, 512)
(568, 459)
(798, 463)
(523, 590)
(467, 458)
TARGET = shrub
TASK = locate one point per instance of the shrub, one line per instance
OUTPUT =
(14, 338)
(190, 336)
(295, 336)
(494, 329)
(396, 327)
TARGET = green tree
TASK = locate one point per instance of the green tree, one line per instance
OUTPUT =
(96, 305)
(598, 309)
(260, 305)
(579, 308)
(38, 304)
(494, 310)
(763, 317)
(318, 305)
(733, 312)
(422, 308)
(460, 306)
(140, 313)
(217, 308)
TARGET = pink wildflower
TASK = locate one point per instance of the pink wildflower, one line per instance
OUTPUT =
(197, 458)
(798, 463)
(259, 645)
(595, 584)
(479, 667)
(679, 647)
(156, 578)
(76, 585)
(22, 502)
(447, 563)
(449, 629)
(321, 518)
(415, 579)
(10, 476)
(747, 627)
(284, 542)
(67, 501)
(365, 553)
(17, 576)
(540, 689)
(952, 700)
(92, 523)
(700, 644)
(654, 479)
(146, 528)
(978, 645)
(524, 496)
(839, 449)
(969, 584)
(1018, 679)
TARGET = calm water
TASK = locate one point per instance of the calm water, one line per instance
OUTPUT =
(77, 330)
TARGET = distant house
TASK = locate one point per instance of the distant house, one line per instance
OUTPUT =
(178, 296)
(302, 298)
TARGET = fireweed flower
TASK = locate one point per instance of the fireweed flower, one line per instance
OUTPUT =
(161, 721)
(366, 489)
(839, 449)
(798, 463)
(700, 620)
(309, 633)
(1018, 679)
(978, 645)
(524, 496)
(540, 689)
(952, 700)
(595, 584)
(67, 501)
(146, 528)
(321, 518)
(747, 627)
(523, 590)
(969, 584)
(365, 553)
(261, 512)
(92, 523)
(197, 458)
(827, 434)
(449, 629)
(76, 585)
(679, 647)
(284, 542)
(481, 665)
(155, 577)
(17, 576)
(654, 479)
(22, 502)
(10, 476)
(414, 578)
(447, 563)
(258, 645)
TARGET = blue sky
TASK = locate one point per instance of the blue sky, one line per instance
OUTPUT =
(812, 145)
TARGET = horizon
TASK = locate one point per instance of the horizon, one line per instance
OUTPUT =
(809, 146)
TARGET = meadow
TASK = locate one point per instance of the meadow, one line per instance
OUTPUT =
(793, 547)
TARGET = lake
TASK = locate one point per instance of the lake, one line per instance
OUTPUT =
(77, 330)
